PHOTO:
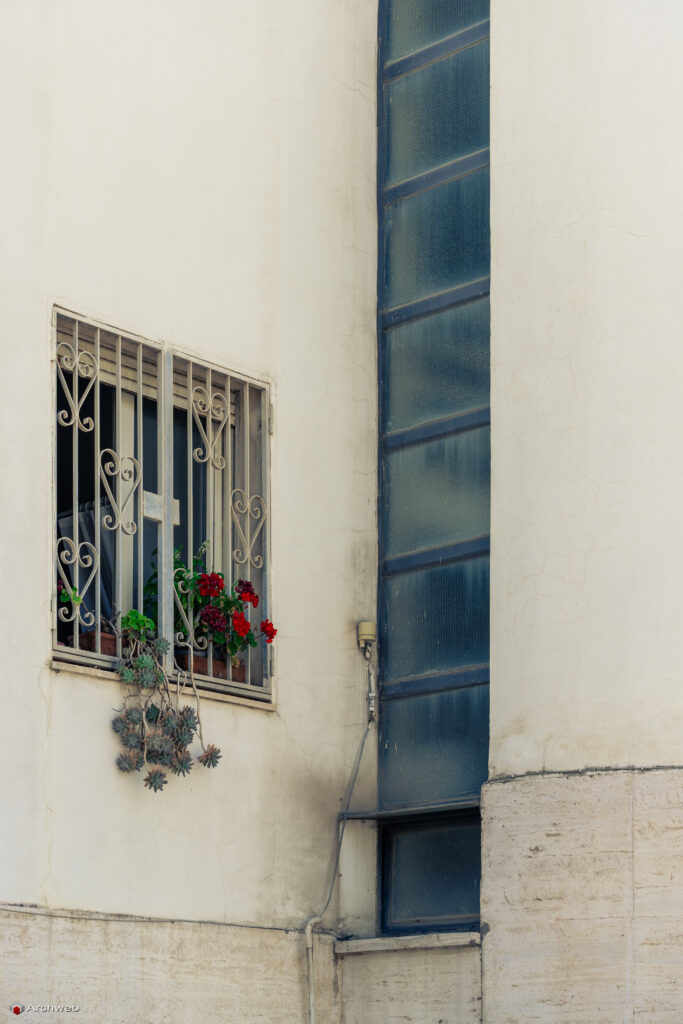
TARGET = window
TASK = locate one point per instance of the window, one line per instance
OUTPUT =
(433, 330)
(431, 867)
(159, 459)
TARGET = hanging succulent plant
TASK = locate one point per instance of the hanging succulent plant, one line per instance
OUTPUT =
(154, 729)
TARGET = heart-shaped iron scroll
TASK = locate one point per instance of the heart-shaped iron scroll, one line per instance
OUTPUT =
(82, 365)
(127, 469)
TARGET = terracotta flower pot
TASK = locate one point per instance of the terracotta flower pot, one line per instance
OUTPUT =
(87, 642)
(220, 667)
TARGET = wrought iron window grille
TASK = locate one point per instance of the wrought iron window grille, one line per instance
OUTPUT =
(154, 452)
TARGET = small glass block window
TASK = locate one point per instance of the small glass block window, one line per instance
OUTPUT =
(431, 871)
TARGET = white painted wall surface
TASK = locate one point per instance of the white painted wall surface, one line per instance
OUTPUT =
(202, 174)
(587, 245)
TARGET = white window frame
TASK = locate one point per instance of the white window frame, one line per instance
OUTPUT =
(226, 420)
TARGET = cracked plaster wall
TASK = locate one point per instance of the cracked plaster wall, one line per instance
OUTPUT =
(202, 174)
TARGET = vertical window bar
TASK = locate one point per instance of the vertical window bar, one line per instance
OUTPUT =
(165, 470)
(96, 499)
(189, 553)
(118, 586)
(210, 479)
(227, 517)
(75, 580)
(247, 517)
(139, 454)
(55, 535)
(190, 469)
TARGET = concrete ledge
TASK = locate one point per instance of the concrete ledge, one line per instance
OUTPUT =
(111, 676)
(399, 943)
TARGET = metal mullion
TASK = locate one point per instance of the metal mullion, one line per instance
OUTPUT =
(435, 682)
(98, 587)
(165, 485)
(447, 426)
(118, 578)
(442, 554)
(75, 579)
(455, 296)
(426, 812)
(433, 52)
(442, 175)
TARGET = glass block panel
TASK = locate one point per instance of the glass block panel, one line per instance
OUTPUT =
(438, 113)
(437, 366)
(412, 24)
(434, 746)
(436, 619)
(438, 239)
(432, 875)
(437, 492)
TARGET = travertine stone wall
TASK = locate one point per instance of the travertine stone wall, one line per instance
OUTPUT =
(582, 898)
(131, 969)
(417, 984)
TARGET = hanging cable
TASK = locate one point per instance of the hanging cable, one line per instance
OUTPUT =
(317, 918)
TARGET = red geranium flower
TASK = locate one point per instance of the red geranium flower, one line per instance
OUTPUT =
(214, 619)
(240, 624)
(210, 584)
(268, 630)
(246, 592)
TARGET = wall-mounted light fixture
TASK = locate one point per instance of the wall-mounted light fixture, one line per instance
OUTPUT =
(367, 636)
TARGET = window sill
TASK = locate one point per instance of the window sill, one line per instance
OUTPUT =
(398, 944)
(74, 668)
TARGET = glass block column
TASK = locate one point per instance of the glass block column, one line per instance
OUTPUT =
(433, 329)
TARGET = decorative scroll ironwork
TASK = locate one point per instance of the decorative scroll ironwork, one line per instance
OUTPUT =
(216, 410)
(126, 469)
(82, 365)
(251, 508)
(86, 556)
(186, 637)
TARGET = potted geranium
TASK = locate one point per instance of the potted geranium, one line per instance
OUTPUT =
(207, 612)
(221, 616)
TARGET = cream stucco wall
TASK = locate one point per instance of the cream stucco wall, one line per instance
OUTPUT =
(202, 174)
(580, 900)
(587, 500)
